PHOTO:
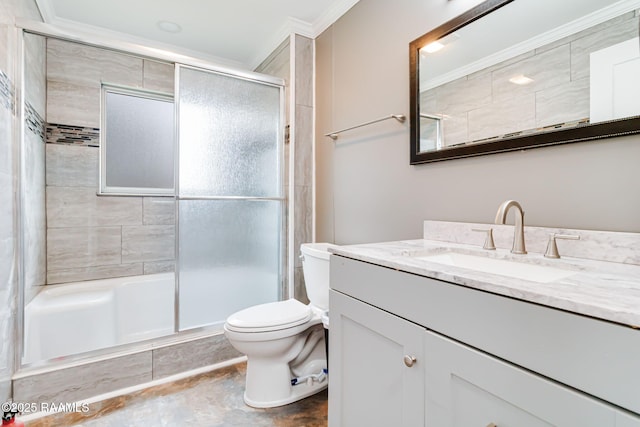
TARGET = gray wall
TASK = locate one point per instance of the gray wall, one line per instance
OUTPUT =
(366, 189)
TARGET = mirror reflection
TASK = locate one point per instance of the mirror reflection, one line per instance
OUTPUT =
(526, 68)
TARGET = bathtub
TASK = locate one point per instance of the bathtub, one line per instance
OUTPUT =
(73, 318)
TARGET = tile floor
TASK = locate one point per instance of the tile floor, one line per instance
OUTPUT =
(213, 399)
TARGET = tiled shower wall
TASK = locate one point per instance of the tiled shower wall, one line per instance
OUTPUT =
(9, 141)
(485, 104)
(296, 54)
(91, 237)
(33, 221)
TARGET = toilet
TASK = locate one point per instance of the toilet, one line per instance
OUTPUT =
(284, 341)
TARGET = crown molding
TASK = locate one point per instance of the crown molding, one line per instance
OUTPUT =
(291, 26)
(303, 28)
(337, 9)
(103, 35)
(47, 11)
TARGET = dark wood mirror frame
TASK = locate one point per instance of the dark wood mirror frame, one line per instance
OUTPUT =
(579, 133)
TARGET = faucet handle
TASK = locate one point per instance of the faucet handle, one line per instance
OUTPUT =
(552, 247)
(488, 241)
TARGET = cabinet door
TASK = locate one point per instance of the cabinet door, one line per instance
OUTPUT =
(376, 367)
(465, 387)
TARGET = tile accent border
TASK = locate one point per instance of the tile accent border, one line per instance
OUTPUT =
(34, 122)
(69, 134)
(7, 92)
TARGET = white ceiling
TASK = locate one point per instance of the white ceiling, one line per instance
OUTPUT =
(240, 33)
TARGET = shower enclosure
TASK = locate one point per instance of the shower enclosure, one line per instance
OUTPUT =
(230, 226)
(230, 204)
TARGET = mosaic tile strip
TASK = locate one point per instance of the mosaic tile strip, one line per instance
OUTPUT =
(33, 120)
(6, 91)
(77, 135)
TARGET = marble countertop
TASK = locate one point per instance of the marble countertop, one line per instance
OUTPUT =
(600, 289)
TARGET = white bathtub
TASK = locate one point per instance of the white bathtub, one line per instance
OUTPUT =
(77, 317)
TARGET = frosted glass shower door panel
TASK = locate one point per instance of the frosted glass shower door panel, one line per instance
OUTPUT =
(230, 135)
(230, 257)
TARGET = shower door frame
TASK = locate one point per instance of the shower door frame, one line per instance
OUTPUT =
(23, 26)
(282, 255)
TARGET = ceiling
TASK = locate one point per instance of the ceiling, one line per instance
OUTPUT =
(239, 33)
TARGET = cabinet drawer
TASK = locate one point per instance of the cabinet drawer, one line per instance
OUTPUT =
(465, 387)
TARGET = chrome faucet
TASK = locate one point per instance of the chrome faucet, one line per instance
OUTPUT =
(518, 230)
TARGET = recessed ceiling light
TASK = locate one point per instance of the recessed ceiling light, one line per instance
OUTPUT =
(520, 79)
(169, 27)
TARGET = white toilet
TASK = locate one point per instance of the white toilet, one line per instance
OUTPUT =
(284, 341)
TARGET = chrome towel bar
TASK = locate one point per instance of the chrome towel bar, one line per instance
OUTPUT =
(399, 117)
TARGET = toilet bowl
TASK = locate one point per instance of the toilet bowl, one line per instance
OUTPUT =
(284, 341)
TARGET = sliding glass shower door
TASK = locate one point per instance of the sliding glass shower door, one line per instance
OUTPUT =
(229, 190)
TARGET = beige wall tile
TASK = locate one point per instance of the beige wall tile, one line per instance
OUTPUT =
(562, 103)
(158, 76)
(159, 211)
(510, 115)
(81, 382)
(547, 69)
(304, 70)
(81, 207)
(71, 166)
(463, 95)
(83, 247)
(87, 65)
(93, 273)
(616, 31)
(148, 243)
(73, 104)
(191, 355)
(455, 129)
(35, 70)
(159, 267)
(303, 146)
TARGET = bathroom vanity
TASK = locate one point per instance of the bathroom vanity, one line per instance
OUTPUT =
(422, 336)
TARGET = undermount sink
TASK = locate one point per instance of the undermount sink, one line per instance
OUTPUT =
(502, 267)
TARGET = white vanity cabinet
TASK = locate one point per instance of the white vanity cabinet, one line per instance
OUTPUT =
(379, 366)
(407, 350)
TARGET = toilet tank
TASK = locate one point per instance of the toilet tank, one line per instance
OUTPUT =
(315, 265)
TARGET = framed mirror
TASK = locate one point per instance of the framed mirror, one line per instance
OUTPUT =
(518, 74)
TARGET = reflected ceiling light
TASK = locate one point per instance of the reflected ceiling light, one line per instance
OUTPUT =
(432, 47)
(440, 43)
(520, 79)
(169, 27)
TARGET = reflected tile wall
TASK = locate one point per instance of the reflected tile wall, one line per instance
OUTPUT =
(486, 104)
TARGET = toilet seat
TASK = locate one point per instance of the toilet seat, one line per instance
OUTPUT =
(271, 316)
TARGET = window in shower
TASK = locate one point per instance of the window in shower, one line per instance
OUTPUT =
(137, 142)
